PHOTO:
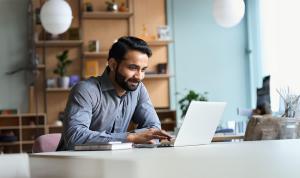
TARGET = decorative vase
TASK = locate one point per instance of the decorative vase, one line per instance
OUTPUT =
(289, 128)
(112, 6)
(63, 82)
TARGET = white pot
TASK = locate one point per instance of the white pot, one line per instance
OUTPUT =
(63, 82)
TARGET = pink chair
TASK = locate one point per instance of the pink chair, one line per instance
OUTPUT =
(46, 143)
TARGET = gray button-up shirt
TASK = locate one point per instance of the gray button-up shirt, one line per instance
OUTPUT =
(95, 113)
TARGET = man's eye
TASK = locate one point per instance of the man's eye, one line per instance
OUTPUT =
(132, 67)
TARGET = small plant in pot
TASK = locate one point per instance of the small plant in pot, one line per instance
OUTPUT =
(185, 102)
(61, 69)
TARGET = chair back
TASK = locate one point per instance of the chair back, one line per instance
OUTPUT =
(46, 143)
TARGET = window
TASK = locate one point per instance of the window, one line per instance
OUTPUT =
(280, 41)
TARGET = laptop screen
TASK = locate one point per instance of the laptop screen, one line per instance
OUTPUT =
(200, 123)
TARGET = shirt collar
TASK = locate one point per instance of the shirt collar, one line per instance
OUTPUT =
(106, 82)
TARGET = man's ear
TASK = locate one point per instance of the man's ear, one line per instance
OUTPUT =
(112, 63)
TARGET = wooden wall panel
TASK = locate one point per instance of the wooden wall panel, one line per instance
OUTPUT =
(148, 12)
(159, 56)
(106, 31)
(158, 90)
(56, 103)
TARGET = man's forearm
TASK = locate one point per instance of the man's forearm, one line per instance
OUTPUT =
(84, 135)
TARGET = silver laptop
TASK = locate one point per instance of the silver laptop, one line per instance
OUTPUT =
(199, 125)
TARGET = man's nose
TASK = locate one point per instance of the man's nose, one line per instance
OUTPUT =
(139, 75)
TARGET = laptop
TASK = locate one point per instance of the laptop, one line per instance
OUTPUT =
(199, 125)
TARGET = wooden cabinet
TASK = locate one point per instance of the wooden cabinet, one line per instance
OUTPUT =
(18, 132)
(105, 27)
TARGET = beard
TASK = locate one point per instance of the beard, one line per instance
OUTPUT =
(125, 84)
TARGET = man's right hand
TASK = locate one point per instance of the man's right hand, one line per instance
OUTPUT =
(148, 136)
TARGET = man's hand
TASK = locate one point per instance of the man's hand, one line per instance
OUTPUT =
(148, 136)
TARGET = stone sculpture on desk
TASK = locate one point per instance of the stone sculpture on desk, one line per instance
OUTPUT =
(268, 127)
(61, 69)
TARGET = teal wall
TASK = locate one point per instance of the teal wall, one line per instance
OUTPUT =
(13, 53)
(207, 57)
(204, 57)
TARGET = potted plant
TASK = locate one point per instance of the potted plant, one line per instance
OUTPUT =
(61, 69)
(184, 103)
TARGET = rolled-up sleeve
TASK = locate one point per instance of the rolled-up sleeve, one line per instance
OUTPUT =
(145, 115)
(78, 116)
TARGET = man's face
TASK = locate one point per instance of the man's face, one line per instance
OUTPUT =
(131, 71)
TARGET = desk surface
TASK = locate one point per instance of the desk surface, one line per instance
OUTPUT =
(259, 159)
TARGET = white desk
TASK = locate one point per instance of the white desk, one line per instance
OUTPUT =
(257, 159)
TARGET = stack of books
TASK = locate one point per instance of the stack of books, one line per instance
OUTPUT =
(103, 146)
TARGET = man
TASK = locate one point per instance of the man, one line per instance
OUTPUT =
(100, 109)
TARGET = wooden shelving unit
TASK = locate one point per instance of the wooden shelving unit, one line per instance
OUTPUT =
(25, 128)
(157, 76)
(59, 43)
(106, 15)
(159, 42)
(101, 54)
(41, 66)
(54, 129)
(105, 27)
(58, 89)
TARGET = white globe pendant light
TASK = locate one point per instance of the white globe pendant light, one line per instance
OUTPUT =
(228, 13)
(56, 16)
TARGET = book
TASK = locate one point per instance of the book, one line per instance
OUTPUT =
(103, 146)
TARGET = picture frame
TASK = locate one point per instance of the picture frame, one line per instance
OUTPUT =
(163, 32)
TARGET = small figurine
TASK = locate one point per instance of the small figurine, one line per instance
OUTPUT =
(89, 7)
(123, 8)
(111, 6)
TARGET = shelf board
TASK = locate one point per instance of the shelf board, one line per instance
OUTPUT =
(58, 90)
(32, 127)
(28, 142)
(9, 143)
(32, 114)
(54, 126)
(101, 54)
(168, 122)
(159, 42)
(164, 110)
(41, 66)
(59, 43)
(157, 76)
(106, 15)
(9, 127)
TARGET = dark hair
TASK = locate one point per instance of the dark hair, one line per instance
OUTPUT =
(120, 48)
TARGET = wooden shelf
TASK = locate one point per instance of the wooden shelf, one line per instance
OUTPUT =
(58, 90)
(222, 138)
(41, 66)
(33, 127)
(32, 114)
(27, 142)
(9, 127)
(54, 126)
(157, 76)
(168, 122)
(9, 143)
(101, 54)
(59, 43)
(159, 42)
(106, 15)
(9, 116)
